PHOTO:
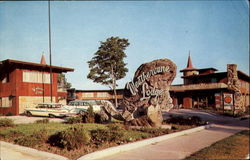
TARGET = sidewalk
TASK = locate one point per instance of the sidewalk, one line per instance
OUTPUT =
(182, 146)
(15, 152)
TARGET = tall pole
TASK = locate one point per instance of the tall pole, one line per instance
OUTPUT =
(50, 59)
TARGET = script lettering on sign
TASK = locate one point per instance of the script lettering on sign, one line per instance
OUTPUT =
(140, 81)
(38, 90)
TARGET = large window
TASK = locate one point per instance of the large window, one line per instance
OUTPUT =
(102, 94)
(36, 77)
(5, 102)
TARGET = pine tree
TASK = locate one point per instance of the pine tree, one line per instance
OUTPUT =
(107, 66)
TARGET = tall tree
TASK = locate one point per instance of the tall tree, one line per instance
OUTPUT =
(107, 66)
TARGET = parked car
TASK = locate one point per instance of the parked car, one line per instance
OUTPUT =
(81, 106)
(51, 110)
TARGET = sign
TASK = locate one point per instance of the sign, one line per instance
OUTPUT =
(228, 101)
(218, 101)
(37, 90)
(140, 81)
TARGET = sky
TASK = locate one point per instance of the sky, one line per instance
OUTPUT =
(215, 32)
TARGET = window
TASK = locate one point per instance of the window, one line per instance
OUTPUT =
(5, 102)
(102, 94)
(36, 77)
(88, 94)
(213, 80)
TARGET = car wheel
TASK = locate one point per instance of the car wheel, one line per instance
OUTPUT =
(28, 114)
(82, 113)
(52, 116)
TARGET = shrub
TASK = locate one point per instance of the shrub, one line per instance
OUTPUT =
(46, 120)
(114, 126)
(154, 131)
(9, 114)
(5, 122)
(33, 139)
(107, 135)
(12, 134)
(194, 120)
(71, 138)
(90, 115)
(74, 120)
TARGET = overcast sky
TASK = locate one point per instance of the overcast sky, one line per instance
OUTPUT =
(215, 32)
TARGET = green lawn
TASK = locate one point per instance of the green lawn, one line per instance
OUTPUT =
(39, 136)
(51, 127)
(233, 147)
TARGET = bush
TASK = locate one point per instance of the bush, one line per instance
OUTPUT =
(71, 138)
(90, 115)
(154, 131)
(12, 134)
(99, 136)
(9, 114)
(32, 140)
(46, 120)
(74, 120)
(5, 122)
(194, 120)
(115, 126)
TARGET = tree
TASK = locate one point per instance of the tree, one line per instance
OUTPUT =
(62, 81)
(107, 66)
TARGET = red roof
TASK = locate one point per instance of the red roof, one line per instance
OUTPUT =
(28, 65)
(189, 65)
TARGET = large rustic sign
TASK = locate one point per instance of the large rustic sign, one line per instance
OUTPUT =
(148, 93)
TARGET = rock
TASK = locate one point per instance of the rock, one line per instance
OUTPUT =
(148, 93)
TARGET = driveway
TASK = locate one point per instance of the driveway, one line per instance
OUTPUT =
(25, 119)
(210, 117)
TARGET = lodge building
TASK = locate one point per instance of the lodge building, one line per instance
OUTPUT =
(206, 88)
(24, 84)
(202, 88)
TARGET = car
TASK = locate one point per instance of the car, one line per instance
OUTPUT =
(81, 106)
(50, 110)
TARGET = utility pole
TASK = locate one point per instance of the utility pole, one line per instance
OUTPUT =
(50, 58)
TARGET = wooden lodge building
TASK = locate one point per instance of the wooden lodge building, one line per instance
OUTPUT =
(24, 84)
(206, 88)
(202, 88)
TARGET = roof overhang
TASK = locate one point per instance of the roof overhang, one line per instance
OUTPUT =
(38, 66)
(200, 86)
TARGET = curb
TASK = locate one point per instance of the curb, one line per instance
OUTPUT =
(130, 146)
(46, 155)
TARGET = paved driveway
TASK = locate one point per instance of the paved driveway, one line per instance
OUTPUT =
(210, 117)
(25, 119)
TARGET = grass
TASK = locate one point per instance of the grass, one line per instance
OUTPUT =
(233, 147)
(19, 132)
(50, 127)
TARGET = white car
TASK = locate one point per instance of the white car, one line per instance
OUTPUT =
(50, 110)
(82, 105)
